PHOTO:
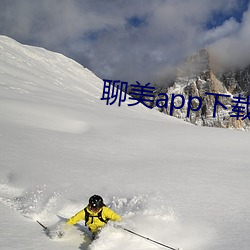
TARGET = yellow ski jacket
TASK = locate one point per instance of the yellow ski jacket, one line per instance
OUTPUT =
(94, 223)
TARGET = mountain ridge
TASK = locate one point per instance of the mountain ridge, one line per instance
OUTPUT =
(198, 75)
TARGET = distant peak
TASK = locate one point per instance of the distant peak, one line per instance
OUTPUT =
(195, 64)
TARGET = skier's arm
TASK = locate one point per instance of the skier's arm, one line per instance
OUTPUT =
(77, 217)
(110, 214)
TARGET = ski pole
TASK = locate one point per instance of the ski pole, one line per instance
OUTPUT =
(45, 228)
(146, 238)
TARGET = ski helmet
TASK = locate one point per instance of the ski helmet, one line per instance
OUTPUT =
(95, 202)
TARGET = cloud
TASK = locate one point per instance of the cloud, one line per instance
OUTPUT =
(125, 40)
(228, 28)
(232, 50)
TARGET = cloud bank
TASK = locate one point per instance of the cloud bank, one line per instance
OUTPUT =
(133, 40)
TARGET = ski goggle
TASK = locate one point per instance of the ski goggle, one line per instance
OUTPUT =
(94, 208)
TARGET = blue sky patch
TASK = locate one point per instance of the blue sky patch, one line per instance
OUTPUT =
(136, 21)
(219, 17)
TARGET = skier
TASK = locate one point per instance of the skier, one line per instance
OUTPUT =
(95, 214)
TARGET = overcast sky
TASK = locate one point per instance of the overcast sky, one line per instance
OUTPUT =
(131, 40)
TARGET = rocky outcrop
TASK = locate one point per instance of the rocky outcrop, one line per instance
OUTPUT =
(196, 77)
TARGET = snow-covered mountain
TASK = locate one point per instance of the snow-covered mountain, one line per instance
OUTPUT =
(199, 75)
(182, 185)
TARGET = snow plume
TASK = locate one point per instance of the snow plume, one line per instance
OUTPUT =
(147, 215)
(128, 40)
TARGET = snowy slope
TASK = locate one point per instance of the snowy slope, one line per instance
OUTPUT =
(179, 184)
